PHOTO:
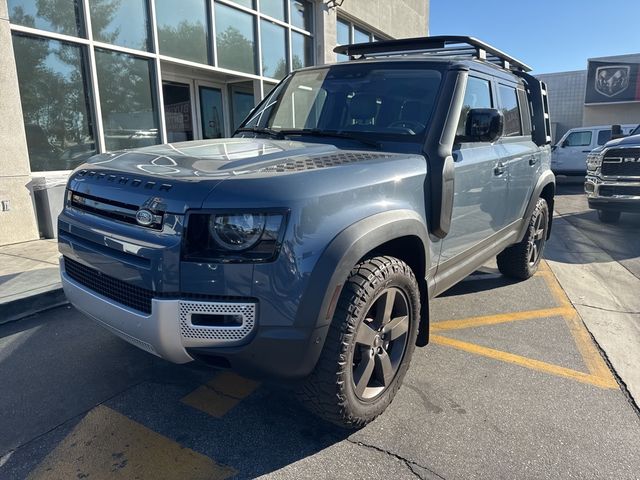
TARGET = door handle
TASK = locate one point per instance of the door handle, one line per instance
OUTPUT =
(499, 169)
(533, 160)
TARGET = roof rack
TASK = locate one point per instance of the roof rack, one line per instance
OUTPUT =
(439, 46)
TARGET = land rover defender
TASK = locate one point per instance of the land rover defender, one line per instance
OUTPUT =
(307, 248)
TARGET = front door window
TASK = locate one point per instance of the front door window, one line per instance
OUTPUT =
(178, 111)
(211, 112)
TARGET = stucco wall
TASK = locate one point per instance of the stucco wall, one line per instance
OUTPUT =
(18, 224)
(387, 18)
(611, 114)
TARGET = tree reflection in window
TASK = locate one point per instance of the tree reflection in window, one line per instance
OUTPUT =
(55, 104)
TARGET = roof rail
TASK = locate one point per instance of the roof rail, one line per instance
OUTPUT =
(441, 46)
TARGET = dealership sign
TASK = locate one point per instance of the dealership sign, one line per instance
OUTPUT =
(613, 82)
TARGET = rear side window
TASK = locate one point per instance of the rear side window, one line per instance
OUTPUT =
(578, 139)
(478, 95)
(604, 136)
(510, 110)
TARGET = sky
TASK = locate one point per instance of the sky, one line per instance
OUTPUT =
(550, 36)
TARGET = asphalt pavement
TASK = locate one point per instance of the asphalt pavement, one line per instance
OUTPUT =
(511, 386)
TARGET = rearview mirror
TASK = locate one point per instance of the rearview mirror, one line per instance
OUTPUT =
(484, 125)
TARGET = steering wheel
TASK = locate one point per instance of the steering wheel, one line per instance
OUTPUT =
(410, 125)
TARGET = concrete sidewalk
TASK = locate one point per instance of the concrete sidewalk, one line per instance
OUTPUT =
(29, 279)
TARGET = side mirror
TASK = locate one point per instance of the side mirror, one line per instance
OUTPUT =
(616, 132)
(484, 125)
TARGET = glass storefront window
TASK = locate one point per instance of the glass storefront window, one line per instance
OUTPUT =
(183, 29)
(121, 23)
(61, 16)
(177, 111)
(235, 39)
(360, 36)
(211, 113)
(273, 8)
(242, 103)
(55, 103)
(245, 3)
(301, 14)
(274, 63)
(127, 100)
(301, 51)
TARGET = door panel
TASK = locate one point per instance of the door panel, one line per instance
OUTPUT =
(480, 198)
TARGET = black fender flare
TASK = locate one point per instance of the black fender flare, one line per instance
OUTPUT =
(545, 179)
(332, 269)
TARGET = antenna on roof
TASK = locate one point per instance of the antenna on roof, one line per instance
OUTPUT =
(439, 46)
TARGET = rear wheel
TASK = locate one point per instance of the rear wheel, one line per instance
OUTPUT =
(608, 216)
(522, 259)
(369, 345)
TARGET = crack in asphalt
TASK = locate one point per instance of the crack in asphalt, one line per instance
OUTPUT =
(607, 309)
(409, 463)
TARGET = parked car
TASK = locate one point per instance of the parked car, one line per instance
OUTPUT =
(613, 177)
(569, 156)
(308, 247)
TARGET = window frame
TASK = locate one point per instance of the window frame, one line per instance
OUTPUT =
(499, 106)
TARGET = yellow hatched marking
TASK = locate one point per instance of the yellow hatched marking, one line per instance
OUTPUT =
(221, 394)
(107, 445)
(599, 374)
(500, 318)
(523, 361)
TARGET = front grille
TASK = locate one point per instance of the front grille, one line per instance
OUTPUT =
(115, 210)
(621, 162)
(117, 290)
(611, 190)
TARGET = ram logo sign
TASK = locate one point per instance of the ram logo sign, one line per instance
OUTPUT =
(612, 81)
(609, 82)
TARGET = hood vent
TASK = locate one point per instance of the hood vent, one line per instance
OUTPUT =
(324, 161)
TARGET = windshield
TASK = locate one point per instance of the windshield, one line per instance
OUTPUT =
(361, 99)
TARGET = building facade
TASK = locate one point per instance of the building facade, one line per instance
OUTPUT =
(606, 93)
(80, 77)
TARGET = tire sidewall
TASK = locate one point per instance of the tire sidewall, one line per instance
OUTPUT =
(409, 288)
(541, 209)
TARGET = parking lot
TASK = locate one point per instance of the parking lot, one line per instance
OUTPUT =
(511, 386)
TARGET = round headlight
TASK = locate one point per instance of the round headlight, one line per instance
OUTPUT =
(237, 232)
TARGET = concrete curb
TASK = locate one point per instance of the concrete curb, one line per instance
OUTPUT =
(32, 304)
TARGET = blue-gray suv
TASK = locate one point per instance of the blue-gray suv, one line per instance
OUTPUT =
(307, 247)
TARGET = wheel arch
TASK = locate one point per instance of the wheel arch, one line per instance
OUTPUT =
(545, 188)
(399, 233)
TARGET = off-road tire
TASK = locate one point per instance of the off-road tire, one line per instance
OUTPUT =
(515, 261)
(609, 216)
(329, 391)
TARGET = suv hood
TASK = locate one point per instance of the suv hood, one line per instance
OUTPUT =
(182, 175)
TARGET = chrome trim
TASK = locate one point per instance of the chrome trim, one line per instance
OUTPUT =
(598, 183)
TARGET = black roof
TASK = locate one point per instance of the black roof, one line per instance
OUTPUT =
(436, 46)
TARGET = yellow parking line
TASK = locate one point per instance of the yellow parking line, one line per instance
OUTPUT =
(106, 444)
(599, 373)
(221, 394)
(499, 318)
(524, 361)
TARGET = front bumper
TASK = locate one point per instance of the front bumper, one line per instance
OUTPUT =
(280, 353)
(612, 195)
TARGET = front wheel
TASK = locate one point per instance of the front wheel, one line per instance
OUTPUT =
(522, 259)
(608, 216)
(369, 344)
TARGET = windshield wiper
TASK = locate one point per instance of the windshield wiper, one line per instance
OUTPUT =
(316, 132)
(277, 134)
